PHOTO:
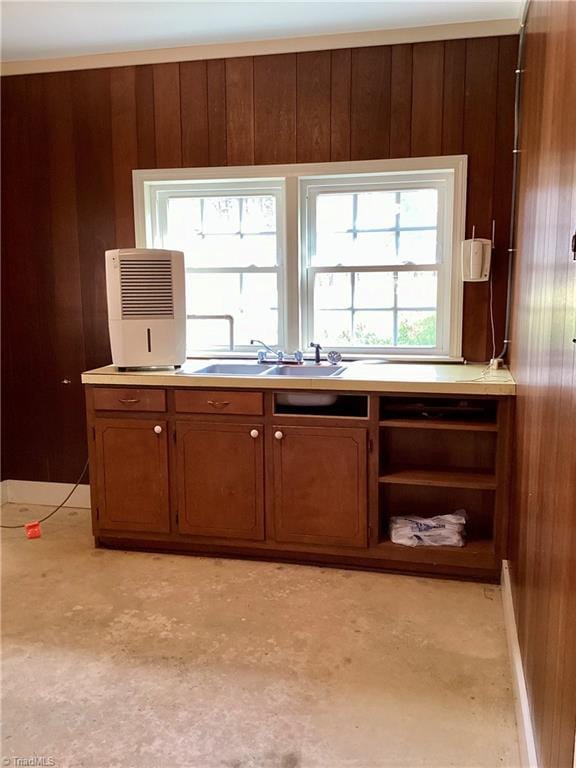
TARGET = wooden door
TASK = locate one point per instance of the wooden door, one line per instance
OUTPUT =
(220, 479)
(320, 478)
(132, 475)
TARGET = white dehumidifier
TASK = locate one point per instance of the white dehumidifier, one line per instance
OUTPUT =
(146, 307)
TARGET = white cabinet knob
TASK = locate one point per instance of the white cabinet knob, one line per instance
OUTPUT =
(158, 429)
(278, 435)
(254, 433)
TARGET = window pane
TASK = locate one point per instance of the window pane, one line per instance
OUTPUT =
(375, 228)
(419, 208)
(333, 290)
(206, 334)
(416, 329)
(257, 315)
(334, 212)
(251, 299)
(373, 290)
(259, 214)
(223, 231)
(417, 247)
(333, 327)
(374, 249)
(376, 210)
(332, 248)
(417, 289)
(373, 329)
(220, 214)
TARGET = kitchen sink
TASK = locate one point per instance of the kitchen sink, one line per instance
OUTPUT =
(306, 371)
(234, 369)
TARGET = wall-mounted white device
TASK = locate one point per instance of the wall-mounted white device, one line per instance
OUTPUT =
(476, 257)
(146, 307)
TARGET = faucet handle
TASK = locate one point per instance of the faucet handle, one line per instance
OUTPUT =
(299, 356)
(280, 355)
(334, 357)
(261, 356)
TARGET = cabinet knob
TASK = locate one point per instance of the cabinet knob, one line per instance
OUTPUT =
(254, 433)
(278, 435)
(158, 429)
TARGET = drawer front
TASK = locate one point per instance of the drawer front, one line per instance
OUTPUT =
(219, 402)
(126, 399)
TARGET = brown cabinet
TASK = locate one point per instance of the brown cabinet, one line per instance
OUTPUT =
(132, 475)
(320, 478)
(220, 479)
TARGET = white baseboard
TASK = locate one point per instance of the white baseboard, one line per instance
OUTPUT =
(50, 494)
(526, 739)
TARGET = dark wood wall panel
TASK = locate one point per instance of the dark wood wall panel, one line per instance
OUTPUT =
(168, 130)
(544, 364)
(313, 107)
(275, 108)
(370, 122)
(124, 149)
(62, 299)
(216, 81)
(340, 95)
(427, 92)
(401, 101)
(481, 87)
(96, 211)
(240, 110)
(145, 125)
(194, 114)
(71, 140)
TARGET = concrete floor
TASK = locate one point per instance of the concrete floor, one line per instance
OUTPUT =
(156, 661)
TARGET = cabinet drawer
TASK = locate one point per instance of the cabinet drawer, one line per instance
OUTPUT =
(219, 401)
(126, 399)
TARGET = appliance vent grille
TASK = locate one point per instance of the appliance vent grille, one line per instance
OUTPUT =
(146, 288)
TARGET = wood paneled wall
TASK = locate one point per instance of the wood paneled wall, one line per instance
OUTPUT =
(544, 364)
(70, 141)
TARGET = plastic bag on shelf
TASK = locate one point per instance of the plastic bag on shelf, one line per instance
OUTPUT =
(441, 530)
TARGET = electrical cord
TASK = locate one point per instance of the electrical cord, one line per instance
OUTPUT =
(76, 484)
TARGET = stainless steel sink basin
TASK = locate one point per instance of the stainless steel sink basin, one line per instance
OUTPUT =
(234, 369)
(306, 371)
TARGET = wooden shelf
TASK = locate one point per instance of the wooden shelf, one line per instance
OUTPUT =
(477, 553)
(446, 478)
(463, 426)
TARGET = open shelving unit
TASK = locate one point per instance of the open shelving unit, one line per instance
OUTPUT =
(437, 455)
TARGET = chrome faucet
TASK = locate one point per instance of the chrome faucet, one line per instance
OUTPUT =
(262, 353)
(297, 357)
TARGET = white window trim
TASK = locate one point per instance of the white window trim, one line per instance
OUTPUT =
(148, 183)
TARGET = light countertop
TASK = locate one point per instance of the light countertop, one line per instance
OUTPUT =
(433, 378)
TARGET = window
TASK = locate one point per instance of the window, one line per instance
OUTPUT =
(356, 256)
(373, 262)
(231, 237)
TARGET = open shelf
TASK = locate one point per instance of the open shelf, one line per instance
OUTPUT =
(476, 553)
(464, 426)
(445, 478)
(458, 413)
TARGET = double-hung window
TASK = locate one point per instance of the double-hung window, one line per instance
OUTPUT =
(375, 268)
(360, 257)
(232, 237)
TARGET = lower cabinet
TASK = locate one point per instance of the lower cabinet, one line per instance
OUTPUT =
(320, 478)
(132, 475)
(220, 479)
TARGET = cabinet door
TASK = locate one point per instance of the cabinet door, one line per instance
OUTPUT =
(132, 475)
(320, 478)
(220, 479)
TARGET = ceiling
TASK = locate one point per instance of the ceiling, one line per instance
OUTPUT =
(40, 30)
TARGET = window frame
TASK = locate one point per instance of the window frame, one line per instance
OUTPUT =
(293, 318)
(311, 188)
(218, 188)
